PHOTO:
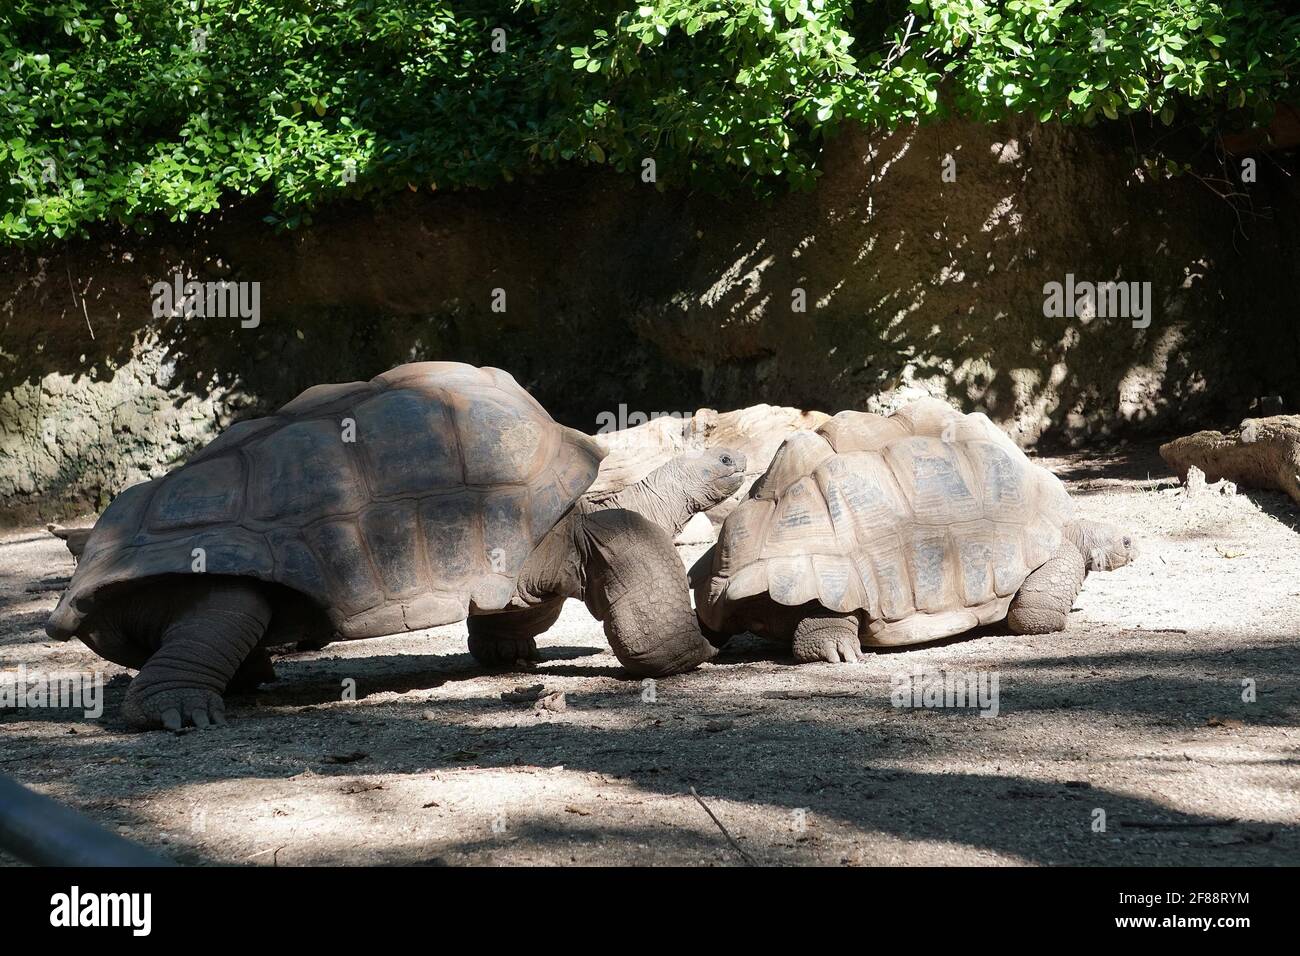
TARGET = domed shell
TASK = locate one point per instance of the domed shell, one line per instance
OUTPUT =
(907, 518)
(396, 504)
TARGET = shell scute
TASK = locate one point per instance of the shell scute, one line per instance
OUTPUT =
(926, 566)
(974, 554)
(211, 492)
(452, 529)
(801, 516)
(862, 497)
(408, 444)
(931, 474)
(798, 456)
(345, 559)
(743, 544)
(1006, 478)
(506, 539)
(392, 531)
(500, 445)
(302, 471)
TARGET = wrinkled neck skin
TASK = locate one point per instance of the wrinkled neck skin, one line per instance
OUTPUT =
(559, 565)
(668, 497)
(1084, 536)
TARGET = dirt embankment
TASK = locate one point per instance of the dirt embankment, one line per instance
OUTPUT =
(605, 296)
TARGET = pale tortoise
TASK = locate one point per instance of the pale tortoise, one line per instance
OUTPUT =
(900, 529)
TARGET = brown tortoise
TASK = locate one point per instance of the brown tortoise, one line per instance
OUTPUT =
(434, 492)
(899, 530)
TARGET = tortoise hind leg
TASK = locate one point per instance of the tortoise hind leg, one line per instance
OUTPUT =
(208, 636)
(505, 640)
(1042, 605)
(827, 636)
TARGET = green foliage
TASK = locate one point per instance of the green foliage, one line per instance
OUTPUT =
(141, 110)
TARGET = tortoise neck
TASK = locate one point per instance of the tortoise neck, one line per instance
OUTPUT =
(1082, 533)
(665, 497)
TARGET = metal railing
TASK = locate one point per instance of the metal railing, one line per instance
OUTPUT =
(44, 832)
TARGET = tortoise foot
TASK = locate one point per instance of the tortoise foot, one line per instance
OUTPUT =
(831, 639)
(504, 653)
(173, 709)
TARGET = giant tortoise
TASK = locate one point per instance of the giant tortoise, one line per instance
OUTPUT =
(899, 530)
(433, 493)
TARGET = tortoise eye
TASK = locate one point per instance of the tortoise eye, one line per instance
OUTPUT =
(728, 460)
(1128, 542)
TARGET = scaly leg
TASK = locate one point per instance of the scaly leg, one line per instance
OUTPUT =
(1042, 605)
(203, 645)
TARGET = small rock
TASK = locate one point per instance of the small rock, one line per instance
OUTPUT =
(1195, 482)
(1228, 723)
(360, 786)
(524, 695)
(346, 758)
(556, 702)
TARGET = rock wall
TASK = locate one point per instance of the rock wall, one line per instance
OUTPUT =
(621, 298)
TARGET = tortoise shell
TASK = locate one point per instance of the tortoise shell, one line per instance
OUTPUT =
(927, 521)
(397, 504)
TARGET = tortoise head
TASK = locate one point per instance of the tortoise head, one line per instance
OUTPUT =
(1105, 546)
(710, 476)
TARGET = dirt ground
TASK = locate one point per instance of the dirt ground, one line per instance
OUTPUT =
(1137, 711)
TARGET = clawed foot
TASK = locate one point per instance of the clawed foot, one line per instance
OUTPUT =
(504, 653)
(828, 640)
(173, 709)
(834, 652)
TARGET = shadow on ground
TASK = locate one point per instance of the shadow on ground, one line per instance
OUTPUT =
(735, 748)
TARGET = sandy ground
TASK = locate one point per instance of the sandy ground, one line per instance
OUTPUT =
(1136, 711)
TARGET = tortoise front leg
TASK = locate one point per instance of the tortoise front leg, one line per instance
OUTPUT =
(827, 636)
(203, 645)
(1042, 605)
(636, 585)
(506, 640)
